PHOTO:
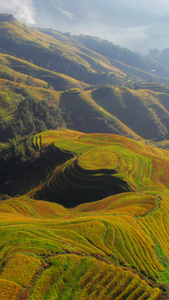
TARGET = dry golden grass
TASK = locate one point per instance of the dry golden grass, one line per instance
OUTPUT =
(20, 269)
(9, 290)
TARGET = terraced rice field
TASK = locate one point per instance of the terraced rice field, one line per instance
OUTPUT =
(80, 253)
(115, 247)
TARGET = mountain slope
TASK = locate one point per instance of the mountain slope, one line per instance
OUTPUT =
(83, 70)
(142, 110)
(53, 54)
(136, 27)
(58, 80)
(86, 58)
(138, 113)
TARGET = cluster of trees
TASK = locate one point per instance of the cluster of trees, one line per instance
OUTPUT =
(15, 155)
(30, 117)
(17, 149)
(7, 76)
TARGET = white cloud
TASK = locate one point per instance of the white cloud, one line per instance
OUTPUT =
(67, 14)
(23, 10)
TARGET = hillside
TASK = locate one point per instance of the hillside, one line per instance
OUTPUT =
(26, 109)
(32, 106)
(51, 80)
(139, 27)
(62, 57)
(84, 58)
(115, 248)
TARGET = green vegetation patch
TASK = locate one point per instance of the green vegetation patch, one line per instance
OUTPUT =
(98, 158)
(97, 281)
(8, 104)
(73, 145)
(32, 116)
(21, 269)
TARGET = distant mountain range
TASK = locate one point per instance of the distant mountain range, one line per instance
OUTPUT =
(138, 27)
(86, 84)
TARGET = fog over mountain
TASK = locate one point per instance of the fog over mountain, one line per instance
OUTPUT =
(133, 24)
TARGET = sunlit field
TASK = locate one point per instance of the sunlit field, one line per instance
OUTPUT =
(105, 232)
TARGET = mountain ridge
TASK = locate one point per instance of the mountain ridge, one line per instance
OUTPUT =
(72, 71)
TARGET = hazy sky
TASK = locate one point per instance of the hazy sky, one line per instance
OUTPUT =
(25, 9)
(158, 6)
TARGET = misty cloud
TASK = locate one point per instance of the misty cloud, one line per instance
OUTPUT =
(67, 14)
(23, 10)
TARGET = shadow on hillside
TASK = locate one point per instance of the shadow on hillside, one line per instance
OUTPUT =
(20, 177)
(54, 175)
(73, 185)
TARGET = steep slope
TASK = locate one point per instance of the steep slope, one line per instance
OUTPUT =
(61, 62)
(84, 58)
(87, 116)
(134, 66)
(19, 69)
(140, 112)
(26, 108)
(144, 111)
(69, 58)
(126, 60)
